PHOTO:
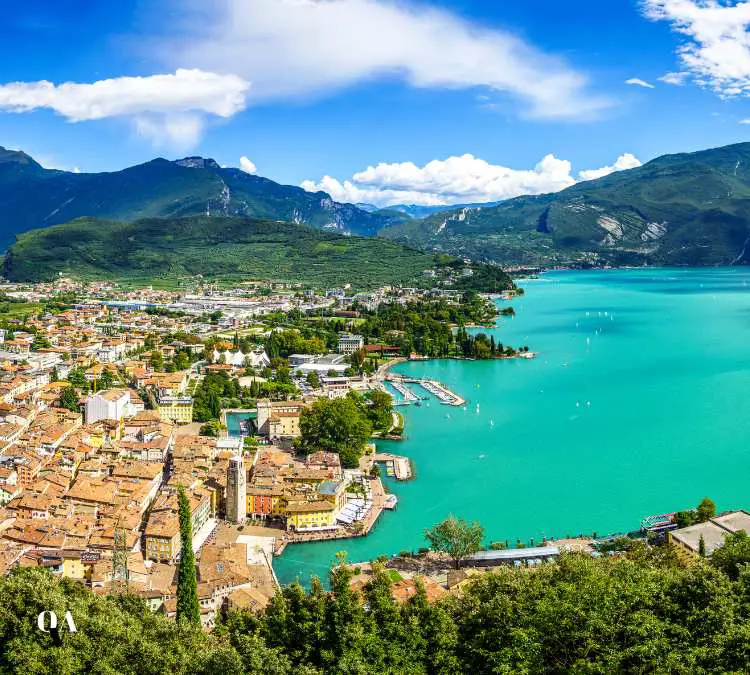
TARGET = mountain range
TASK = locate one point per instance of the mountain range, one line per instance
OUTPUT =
(32, 196)
(683, 209)
(419, 210)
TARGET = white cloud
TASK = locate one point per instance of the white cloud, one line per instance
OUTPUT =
(676, 79)
(169, 109)
(626, 161)
(637, 81)
(456, 180)
(178, 131)
(247, 165)
(716, 51)
(299, 48)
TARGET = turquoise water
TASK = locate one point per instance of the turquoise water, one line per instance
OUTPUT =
(233, 422)
(663, 358)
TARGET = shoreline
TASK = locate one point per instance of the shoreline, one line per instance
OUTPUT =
(384, 368)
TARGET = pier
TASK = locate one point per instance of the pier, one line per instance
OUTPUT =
(445, 395)
(395, 465)
(407, 394)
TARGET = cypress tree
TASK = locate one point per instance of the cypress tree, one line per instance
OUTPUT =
(187, 584)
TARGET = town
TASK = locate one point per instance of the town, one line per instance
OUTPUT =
(261, 406)
(114, 400)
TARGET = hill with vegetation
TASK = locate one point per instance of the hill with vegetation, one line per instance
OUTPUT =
(217, 248)
(644, 611)
(685, 209)
(32, 196)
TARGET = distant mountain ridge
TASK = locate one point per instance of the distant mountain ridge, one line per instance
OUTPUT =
(419, 211)
(683, 209)
(32, 196)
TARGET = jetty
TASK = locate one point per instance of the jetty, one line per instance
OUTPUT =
(441, 392)
(407, 394)
(395, 465)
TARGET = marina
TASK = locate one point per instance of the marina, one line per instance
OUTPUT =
(438, 390)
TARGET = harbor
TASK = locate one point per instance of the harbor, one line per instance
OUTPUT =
(438, 390)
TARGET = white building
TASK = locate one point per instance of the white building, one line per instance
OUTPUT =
(110, 404)
(255, 359)
(300, 359)
(348, 344)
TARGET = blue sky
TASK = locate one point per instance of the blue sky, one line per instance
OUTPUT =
(429, 102)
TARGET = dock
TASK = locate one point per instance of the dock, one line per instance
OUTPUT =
(440, 391)
(407, 394)
(445, 395)
(395, 465)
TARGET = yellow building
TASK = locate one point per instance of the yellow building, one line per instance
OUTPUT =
(162, 537)
(303, 515)
(72, 567)
(178, 409)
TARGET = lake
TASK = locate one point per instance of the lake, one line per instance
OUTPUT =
(635, 405)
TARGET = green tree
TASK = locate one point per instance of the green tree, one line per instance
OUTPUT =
(181, 361)
(702, 547)
(456, 537)
(211, 428)
(380, 409)
(156, 359)
(106, 380)
(77, 378)
(336, 425)
(706, 510)
(69, 399)
(313, 379)
(40, 342)
(188, 608)
(734, 555)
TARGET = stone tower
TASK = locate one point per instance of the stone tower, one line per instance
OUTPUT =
(236, 490)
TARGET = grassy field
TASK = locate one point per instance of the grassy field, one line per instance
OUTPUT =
(18, 310)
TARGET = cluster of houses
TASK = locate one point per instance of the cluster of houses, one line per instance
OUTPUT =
(88, 487)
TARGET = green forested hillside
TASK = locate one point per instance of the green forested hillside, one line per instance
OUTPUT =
(217, 248)
(686, 209)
